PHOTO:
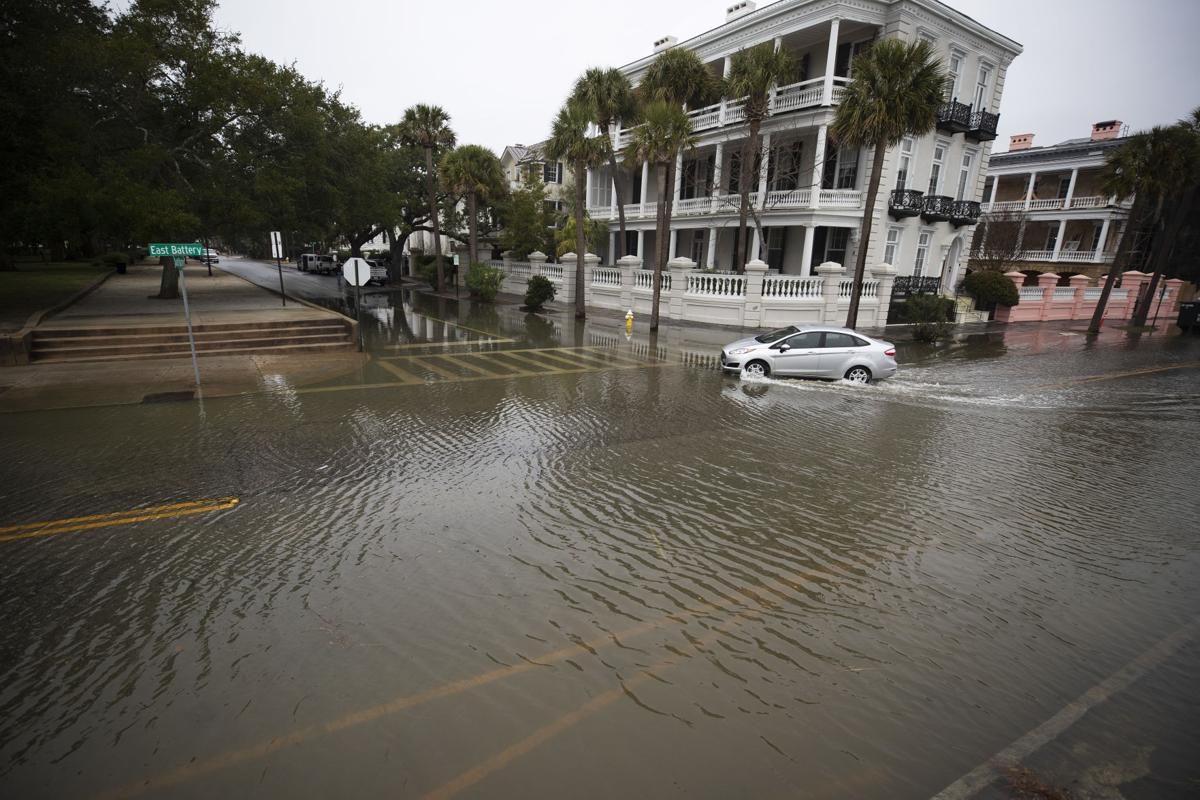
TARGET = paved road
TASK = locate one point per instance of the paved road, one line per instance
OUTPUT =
(310, 286)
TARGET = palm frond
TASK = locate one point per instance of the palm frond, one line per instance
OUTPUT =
(896, 92)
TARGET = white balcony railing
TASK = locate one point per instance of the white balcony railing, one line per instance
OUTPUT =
(1052, 204)
(798, 95)
(840, 198)
(692, 205)
(1089, 202)
(788, 286)
(705, 118)
(794, 198)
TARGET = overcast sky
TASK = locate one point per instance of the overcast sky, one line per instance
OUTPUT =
(502, 69)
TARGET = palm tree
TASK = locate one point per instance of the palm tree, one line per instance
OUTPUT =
(570, 142)
(752, 75)
(896, 92)
(666, 129)
(678, 77)
(609, 95)
(474, 172)
(429, 127)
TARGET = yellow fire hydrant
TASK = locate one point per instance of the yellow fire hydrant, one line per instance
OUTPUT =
(629, 322)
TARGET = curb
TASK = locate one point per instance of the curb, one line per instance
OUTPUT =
(353, 323)
(14, 348)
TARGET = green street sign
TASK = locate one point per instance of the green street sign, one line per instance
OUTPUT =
(184, 249)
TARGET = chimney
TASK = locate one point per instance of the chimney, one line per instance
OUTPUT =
(1109, 129)
(1020, 141)
(664, 43)
(738, 10)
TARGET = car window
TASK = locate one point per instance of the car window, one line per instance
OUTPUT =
(764, 338)
(842, 340)
(806, 341)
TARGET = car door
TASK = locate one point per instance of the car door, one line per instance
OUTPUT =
(837, 352)
(798, 355)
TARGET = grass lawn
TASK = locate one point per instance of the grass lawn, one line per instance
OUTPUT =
(37, 285)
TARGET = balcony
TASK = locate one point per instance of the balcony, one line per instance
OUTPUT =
(983, 126)
(906, 203)
(964, 212)
(936, 208)
(955, 117)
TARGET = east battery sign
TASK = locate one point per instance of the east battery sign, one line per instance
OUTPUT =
(187, 249)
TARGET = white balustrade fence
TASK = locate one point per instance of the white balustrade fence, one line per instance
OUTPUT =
(606, 276)
(714, 285)
(791, 286)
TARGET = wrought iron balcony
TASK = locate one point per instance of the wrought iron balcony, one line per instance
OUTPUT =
(983, 126)
(964, 212)
(954, 117)
(905, 203)
(936, 208)
(906, 285)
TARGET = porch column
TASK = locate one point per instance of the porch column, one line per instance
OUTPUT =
(587, 187)
(755, 245)
(716, 178)
(641, 253)
(1029, 191)
(1058, 239)
(672, 243)
(818, 171)
(830, 60)
(728, 65)
(763, 169)
(1071, 188)
(642, 200)
(774, 87)
(1101, 240)
(806, 256)
(678, 176)
(992, 199)
(710, 258)
(612, 246)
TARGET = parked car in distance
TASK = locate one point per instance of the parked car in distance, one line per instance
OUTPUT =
(812, 351)
(379, 272)
(210, 256)
(323, 264)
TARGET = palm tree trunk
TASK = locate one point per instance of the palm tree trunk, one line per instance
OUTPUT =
(660, 235)
(433, 215)
(864, 234)
(1123, 249)
(740, 258)
(618, 187)
(472, 229)
(580, 239)
(1162, 249)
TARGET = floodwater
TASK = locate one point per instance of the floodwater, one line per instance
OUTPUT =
(548, 561)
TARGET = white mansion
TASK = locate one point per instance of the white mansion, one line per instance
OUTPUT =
(810, 192)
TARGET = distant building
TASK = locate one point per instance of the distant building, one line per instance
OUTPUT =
(810, 192)
(1069, 223)
(524, 163)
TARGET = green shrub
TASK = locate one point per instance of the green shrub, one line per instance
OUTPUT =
(425, 268)
(930, 315)
(114, 258)
(989, 287)
(484, 281)
(538, 292)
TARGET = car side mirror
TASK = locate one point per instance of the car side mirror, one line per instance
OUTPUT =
(783, 348)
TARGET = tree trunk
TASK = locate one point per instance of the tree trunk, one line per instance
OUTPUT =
(1162, 249)
(740, 259)
(660, 235)
(395, 269)
(619, 187)
(580, 239)
(168, 287)
(472, 229)
(1122, 256)
(864, 234)
(434, 218)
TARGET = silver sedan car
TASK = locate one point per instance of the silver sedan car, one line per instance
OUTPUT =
(812, 351)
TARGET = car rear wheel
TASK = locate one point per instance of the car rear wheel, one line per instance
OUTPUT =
(858, 375)
(756, 369)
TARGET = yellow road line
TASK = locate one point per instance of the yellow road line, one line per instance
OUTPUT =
(71, 524)
(464, 343)
(552, 366)
(489, 367)
(423, 361)
(1115, 375)
(457, 325)
(400, 373)
(457, 361)
(512, 350)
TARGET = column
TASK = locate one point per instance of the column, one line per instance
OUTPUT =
(612, 247)
(992, 199)
(1101, 240)
(830, 60)
(725, 72)
(627, 264)
(806, 257)
(672, 243)
(587, 187)
(1058, 239)
(710, 258)
(755, 245)
(678, 176)
(1071, 188)
(763, 169)
(756, 271)
(642, 200)
(774, 89)
(717, 169)
(614, 199)
(1029, 191)
(641, 253)
(818, 166)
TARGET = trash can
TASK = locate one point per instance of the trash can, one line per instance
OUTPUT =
(1188, 313)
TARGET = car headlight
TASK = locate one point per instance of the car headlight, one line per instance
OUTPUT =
(740, 350)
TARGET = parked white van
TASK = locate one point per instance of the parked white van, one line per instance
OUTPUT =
(311, 262)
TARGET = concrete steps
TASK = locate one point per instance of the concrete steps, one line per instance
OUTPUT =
(86, 344)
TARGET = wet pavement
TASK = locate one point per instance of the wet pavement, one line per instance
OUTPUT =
(517, 556)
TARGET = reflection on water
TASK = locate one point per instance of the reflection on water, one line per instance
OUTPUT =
(592, 572)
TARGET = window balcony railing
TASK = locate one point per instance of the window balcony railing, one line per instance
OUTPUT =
(983, 126)
(906, 203)
(954, 117)
(964, 212)
(937, 208)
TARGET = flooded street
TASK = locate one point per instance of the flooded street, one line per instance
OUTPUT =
(514, 556)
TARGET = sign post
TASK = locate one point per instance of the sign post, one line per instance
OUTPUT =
(357, 271)
(456, 274)
(187, 314)
(277, 254)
